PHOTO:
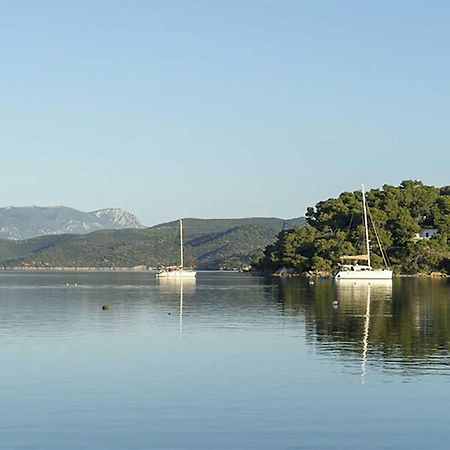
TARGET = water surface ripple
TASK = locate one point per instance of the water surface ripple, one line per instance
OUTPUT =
(231, 361)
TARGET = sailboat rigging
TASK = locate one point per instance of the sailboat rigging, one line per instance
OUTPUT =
(177, 271)
(363, 271)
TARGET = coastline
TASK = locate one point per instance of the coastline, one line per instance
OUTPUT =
(77, 269)
(155, 269)
(327, 275)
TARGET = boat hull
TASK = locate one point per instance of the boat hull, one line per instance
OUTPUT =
(364, 275)
(177, 274)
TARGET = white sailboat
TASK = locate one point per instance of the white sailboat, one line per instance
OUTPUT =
(177, 272)
(363, 271)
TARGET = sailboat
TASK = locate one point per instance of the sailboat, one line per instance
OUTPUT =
(177, 272)
(363, 271)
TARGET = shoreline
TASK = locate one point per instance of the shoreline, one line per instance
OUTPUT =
(154, 269)
(77, 269)
(330, 276)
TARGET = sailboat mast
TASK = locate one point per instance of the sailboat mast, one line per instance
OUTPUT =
(181, 243)
(366, 226)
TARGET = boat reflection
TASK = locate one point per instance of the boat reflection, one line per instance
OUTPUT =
(356, 296)
(353, 294)
(178, 286)
(401, 326)
(365, 338)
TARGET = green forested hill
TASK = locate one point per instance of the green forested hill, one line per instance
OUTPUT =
(13, 250)
(399, 214)
(196, 227)
(209, 243)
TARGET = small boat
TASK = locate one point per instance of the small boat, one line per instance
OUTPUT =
(177, 272)
(363, 271)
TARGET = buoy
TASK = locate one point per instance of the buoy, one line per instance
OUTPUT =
(67, 284)
(105, 307)
(169, 314)
(311, 282)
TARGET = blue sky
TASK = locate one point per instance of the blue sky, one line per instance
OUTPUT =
(219, 109)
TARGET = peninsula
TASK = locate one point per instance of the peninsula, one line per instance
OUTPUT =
(413, 223)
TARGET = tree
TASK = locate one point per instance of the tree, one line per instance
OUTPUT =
(335, 227)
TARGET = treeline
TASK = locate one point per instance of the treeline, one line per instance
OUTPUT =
(335, 228)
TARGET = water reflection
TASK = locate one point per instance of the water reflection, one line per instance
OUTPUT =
(366, 337)
(261, 364)
(177, 287)
(401, 325)
(355, 297)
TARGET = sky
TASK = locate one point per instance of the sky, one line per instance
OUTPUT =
(221, 108)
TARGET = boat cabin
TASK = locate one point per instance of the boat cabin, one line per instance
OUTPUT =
(353, 268)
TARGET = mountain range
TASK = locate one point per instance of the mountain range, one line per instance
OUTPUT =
(209, 244)
(27, 222)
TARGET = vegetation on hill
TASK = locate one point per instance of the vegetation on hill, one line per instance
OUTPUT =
(209, 244)
(335, 228)
(197, 227)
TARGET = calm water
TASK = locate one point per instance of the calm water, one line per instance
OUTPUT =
(230, 362)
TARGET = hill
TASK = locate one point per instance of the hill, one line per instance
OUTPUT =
(28, 222)
(194, 227)
(412, 222)
(209, 244)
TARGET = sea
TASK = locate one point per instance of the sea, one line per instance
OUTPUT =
(120, 360)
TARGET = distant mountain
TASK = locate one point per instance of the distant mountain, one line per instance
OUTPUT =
(27, 222)
(209, 244)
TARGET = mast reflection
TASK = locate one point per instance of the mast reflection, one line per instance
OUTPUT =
(178, 287)
(355, 297)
